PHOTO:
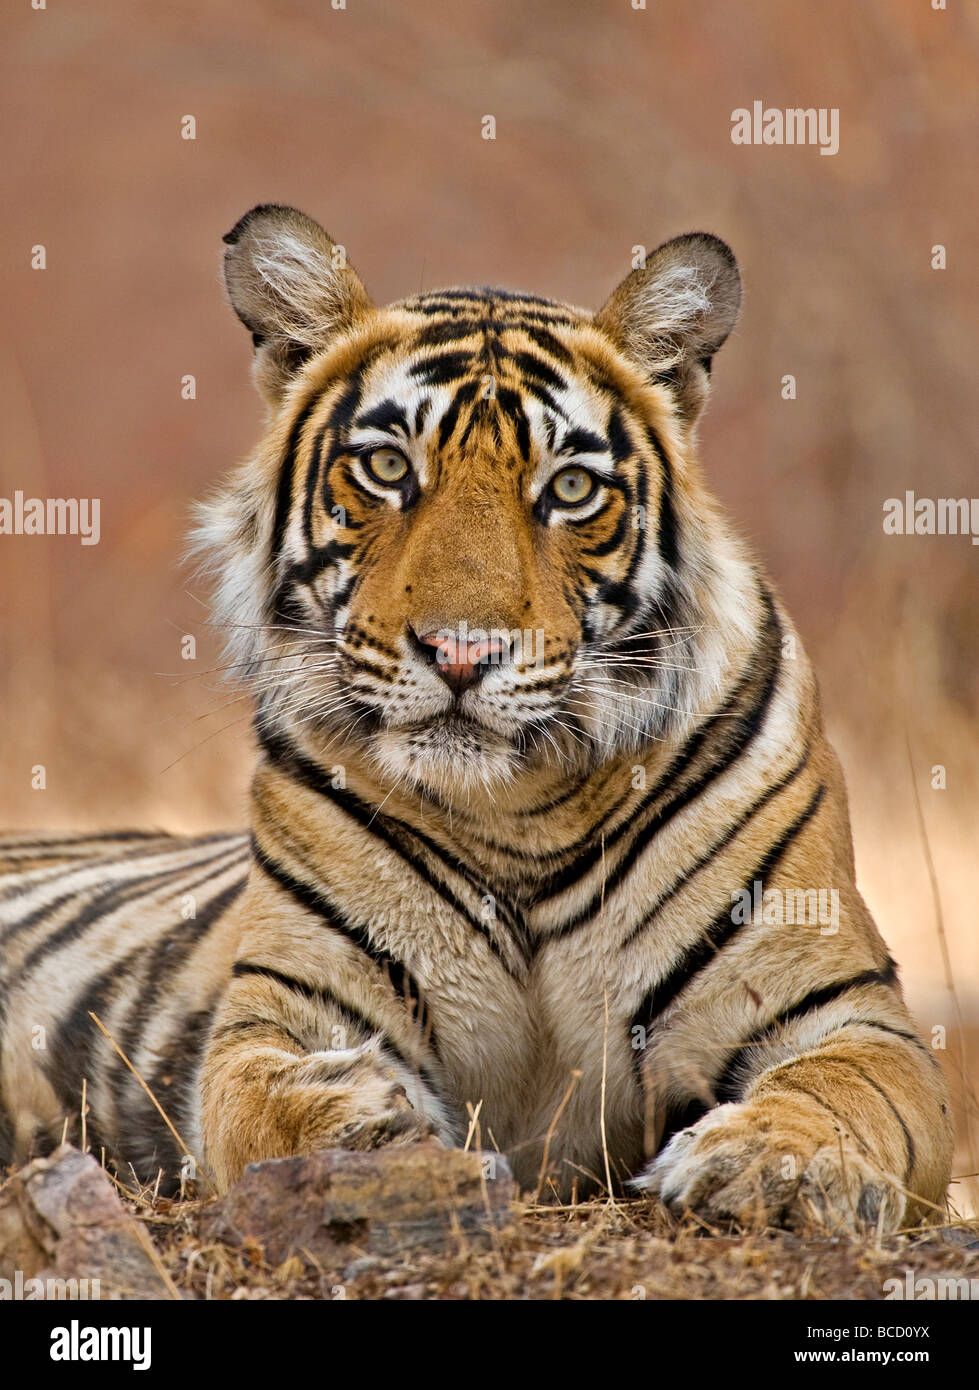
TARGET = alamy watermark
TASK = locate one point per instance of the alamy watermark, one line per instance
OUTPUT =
(490, 646)
(928, 1287)
(804, 907)
(51, 516)
(79, 1343)
(22, 1287)
(932, 516)
(797, 125)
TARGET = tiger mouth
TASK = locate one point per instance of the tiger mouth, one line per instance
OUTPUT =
(453, 738)
(448, 725)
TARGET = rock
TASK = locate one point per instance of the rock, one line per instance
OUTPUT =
(61, 1219)
(337, 1202)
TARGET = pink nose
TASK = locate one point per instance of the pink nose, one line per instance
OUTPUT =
(461, 663)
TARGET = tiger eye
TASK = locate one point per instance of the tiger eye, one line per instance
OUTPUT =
(572, 485)
(387, 465)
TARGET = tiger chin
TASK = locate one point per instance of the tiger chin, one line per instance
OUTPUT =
(531, 722)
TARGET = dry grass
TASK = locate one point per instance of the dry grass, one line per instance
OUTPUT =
(595, 1250)
(603, 1248)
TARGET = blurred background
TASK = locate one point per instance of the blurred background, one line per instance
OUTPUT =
(613, 129)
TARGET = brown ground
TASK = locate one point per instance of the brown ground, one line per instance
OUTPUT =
(625, 1250)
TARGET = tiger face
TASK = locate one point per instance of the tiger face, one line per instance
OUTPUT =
(459, 544)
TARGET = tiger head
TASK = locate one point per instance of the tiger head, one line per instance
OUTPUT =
(473, 540)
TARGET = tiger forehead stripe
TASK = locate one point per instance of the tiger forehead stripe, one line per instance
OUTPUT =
(387, 415)
(454, 328)
(582, 441)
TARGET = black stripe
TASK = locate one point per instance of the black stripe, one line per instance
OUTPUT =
(522, 315)
(22, 881)
(393, 833)
(174, 1082)
(534, 387)
(826, 994)
(511, 406)
(624, 594)
(449, 330)
(464, 396)
(720, 931)
(317, 994)
(546, 341)
(535, 369)
(421, 414)
(442, 368)
(736, 731)
(243, 968)
(729, 1085)
(70, 840)
(165, 960)
(71, 1056)
(735, 829)
(318, 470)
(402, 981)
(385, 416)
(904, 1033)
(619, 441)
(312, 474)
(283, 497)
(305, 571)
(443, 304)
(252, 1025)
(789, 1085)
(6, 1135)
(611, 542)
(336, 424)
(582, 441)
(466, 294)
(577, 786)
(104, 905)
(909, 1148)
(667, 539)
(519, 297)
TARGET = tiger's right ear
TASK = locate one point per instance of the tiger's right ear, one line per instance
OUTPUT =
(291, 286)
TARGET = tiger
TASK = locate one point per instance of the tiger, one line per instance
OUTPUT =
(542, 796)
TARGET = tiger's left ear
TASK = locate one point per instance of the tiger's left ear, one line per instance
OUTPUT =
(672, 314)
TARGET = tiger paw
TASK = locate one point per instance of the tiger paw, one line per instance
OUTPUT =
(773, 1162)
(351, 1101)
(278, 1106)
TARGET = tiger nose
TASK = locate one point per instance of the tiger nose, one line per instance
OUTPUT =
(460, 661)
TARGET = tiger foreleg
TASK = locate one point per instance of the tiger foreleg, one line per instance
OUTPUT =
(851, 1136)
(265, 1095)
